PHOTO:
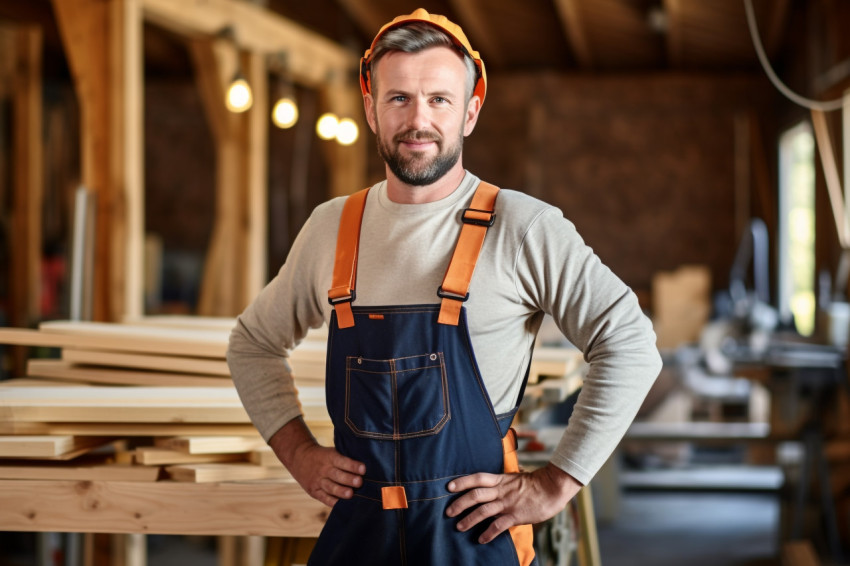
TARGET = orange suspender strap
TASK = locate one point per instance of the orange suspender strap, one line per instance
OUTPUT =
(476, 219)
(341, 293)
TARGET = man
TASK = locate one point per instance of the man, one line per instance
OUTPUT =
(426, 363)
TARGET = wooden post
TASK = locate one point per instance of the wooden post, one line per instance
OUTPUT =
(102, 39)
(234, 271)
(347, 164)
(27, 185)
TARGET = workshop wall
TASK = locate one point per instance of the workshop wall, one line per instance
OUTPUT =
(643, 165)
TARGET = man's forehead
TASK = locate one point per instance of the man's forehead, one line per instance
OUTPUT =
(442, 64)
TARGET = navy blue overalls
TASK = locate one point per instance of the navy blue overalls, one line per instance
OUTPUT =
(407, 399)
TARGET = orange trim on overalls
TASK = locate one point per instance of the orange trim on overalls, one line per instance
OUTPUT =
(476, 219)
(522, 535)
(341, 292)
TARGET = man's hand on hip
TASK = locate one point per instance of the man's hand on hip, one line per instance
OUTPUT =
(324, 473)
(511, 499)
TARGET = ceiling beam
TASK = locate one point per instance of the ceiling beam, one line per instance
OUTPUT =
(366, 17)
(675, 33)
(311, 58)
(482, 40)
(571, 20)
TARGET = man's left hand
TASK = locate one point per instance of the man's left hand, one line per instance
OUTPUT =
(511, 499)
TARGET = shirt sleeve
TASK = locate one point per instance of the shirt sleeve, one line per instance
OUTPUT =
(271, 326)
(559, 274)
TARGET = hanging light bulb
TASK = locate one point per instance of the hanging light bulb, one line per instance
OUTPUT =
(239, 96)
(327, 126)
(285, 113)
(347, 131)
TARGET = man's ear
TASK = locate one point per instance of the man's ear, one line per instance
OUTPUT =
(369, 107)
(473, 107)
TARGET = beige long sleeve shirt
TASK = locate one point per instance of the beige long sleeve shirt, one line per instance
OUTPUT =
(533, 262)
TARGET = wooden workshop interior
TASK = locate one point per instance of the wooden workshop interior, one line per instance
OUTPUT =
(158, 158)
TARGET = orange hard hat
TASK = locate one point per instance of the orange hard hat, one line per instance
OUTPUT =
(453, 30)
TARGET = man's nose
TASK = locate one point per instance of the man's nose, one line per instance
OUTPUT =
(419, 116)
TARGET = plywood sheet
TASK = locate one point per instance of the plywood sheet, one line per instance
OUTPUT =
(82, 373)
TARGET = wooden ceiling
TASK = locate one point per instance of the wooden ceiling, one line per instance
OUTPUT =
(572, 35)
(559, 35)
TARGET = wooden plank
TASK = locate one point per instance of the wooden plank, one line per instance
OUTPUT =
(125, 429)
(170, 364)
(139, 404)
(78, 471)
(62, 370)
(264, 457)
(273, 508)
(311, 58)
(212, 444)
(156, 456)
(58, 447)
(162, 345)
(215, 472)
(195, 343)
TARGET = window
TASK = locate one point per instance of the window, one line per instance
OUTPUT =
(797, 227)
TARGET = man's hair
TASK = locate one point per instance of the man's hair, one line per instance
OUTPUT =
(415, 37)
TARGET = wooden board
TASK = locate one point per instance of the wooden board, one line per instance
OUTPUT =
(126, 429)
(139, 404)
(210, 473)
(212, 444)
(97, 471)
(48, 447)
(270, 508)
(156, 456)
(175, 364)
(174, 343)
(264, 457)
(65, 371)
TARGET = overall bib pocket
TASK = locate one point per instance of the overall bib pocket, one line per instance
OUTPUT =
(396, 398)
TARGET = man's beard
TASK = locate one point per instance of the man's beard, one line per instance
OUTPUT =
(419, 170)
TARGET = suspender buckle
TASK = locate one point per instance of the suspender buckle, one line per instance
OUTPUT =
(346, 299)
(474, 216)
(449, 295)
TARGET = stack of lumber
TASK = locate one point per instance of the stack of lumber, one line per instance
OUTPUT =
(150, 400)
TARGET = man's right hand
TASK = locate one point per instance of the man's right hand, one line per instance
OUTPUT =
(324, 473)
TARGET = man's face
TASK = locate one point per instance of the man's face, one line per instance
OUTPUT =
(419, 113)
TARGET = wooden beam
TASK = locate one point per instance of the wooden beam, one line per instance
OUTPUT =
(483, 40)
(255, 241)
(675, 32)
(833, 181)
(102, 40)
(311, 57)
(28, 182)
(571, 20)
(235, 269)
(368, 19)
(278, 508)
(346, 164)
